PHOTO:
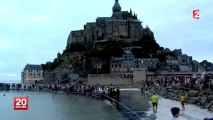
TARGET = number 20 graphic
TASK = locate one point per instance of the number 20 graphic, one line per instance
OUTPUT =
(21, 103)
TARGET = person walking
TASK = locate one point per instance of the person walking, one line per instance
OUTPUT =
(154, 100)
(182, 101)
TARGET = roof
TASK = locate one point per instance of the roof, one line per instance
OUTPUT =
(134, 20)
(103, 18)
(171, 58)
(33, 67)
(196, 63)
(91, 23)
(155, 59)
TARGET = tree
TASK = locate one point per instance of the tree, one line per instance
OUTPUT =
(76, 47)
(44, 66)
(140, 53)
(161, 57)
(110, 48)
(161, 48)
(150, 46)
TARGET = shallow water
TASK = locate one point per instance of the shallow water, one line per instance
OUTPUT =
(42, 106)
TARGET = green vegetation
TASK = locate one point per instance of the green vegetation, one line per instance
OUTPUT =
(109, 48)
(147, 48)
(51, 65)
(76, 47)
(140, 53)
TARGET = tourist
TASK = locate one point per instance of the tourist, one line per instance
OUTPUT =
(208, 119)
(175, 113)
(110, 93)
(154, 100)
(182, 100)
(118, 94)
(142, 90)
(117, 97)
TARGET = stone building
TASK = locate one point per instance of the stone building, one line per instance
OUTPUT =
(121, 25)
(197, 67)
(182, 58)
(125, 65)
(185, 62)
(207, 65)
(178, 52)
(171, 60)
(32, 73)
(151, 63)
(128, 63)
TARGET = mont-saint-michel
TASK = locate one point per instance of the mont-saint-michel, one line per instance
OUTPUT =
(113, 68)
(115, 50)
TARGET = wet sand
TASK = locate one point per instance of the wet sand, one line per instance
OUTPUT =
(136, 102)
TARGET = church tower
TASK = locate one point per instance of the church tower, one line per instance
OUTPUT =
(116, 9)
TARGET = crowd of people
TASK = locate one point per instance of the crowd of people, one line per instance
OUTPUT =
(155, 87)
(183, 84)
(89, 90)
(113, 93)
(189, 82)
(8, 86)
(110, 93)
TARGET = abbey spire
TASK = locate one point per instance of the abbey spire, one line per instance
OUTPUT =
(116, 7)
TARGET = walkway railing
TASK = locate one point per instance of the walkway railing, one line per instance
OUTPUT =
(138, 116)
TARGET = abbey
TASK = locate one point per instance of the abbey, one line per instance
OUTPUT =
(121, 25)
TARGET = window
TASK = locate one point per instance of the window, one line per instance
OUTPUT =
(119, 65)
(137, 66)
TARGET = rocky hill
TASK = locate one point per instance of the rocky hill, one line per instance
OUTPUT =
(98, 41)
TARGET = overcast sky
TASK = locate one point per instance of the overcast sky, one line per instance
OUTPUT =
(33, 31)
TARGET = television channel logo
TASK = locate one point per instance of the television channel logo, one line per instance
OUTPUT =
(196, 14)
(21, 103)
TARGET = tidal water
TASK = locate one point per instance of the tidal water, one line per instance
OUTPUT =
(42, 106)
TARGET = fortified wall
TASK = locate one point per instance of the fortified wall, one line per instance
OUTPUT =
(138, 76)
(107, 79)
